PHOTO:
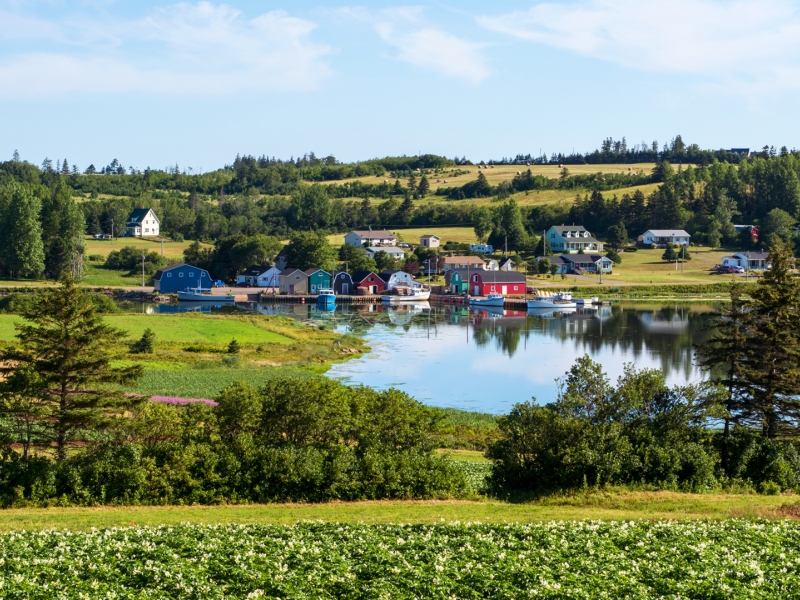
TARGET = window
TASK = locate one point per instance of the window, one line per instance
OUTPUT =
(169, 274)
(191, 274)
(180, 274)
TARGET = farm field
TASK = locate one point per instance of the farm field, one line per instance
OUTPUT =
(465, 235)
(502, 173)
(472, 560)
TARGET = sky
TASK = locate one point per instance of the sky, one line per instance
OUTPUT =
(196, 83)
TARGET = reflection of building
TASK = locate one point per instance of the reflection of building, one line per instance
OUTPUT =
(659, 322)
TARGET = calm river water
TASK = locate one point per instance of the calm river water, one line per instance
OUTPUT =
(486, 361)
(474, 359)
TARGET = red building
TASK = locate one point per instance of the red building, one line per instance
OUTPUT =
(369, 281)
(482, 283)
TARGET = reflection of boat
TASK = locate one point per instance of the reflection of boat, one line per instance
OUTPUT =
(325, 307)
(403, 313)
(415, 294)
(553, 301)
(326, 296)
(490, 311)
(550, 313)
(493, 299)
(202, 295)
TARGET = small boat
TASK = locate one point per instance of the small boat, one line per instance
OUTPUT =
(585, 301)
(414, 294)
(203, 295)
(553, 301)
(326, 296)
(493, 299)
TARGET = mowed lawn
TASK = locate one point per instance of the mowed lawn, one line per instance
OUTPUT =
(608, 506)
(105, 247)
(179, 329)
(646, 266)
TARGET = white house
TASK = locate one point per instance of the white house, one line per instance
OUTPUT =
(572, 239)
(260, 276)
(375, 238)
(492, 265)
(754, 261)
(661, 237)
(464, 263)
(590, 263)
(392, 251)
(143, 222)
(395, 278)
(429, 241)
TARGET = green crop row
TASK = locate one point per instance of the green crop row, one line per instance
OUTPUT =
(589, 559)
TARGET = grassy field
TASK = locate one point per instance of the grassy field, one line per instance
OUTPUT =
(104, 247)
(500, 173)
(465, 235)
(610, 505)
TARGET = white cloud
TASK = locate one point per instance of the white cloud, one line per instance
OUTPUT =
(750, 42)
(421, 44)
(194, 49)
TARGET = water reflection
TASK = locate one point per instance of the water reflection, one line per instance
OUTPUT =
(488, 358)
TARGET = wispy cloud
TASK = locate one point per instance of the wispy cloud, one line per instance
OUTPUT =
(420, 43)
(201, 48)
(749, 42)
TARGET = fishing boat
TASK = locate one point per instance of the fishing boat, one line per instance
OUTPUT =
(493, 299)
(326, 296)
(203, 295)
(587, 301)
(552, 300)
(404, 295)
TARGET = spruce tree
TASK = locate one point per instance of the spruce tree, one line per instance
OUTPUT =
(424, 187)
(669, 252)
(64, 341)
(772, 369)
(725, 353)
(145, 344)
(22, 246)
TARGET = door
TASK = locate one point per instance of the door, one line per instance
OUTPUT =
(477, 291)
(313, 288)
(345, 288)
(291, 288)
(504, 290)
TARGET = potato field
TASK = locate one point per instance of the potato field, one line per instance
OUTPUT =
(589, 559)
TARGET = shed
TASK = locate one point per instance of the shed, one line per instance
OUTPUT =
(318, 280)
(369, 281)
(343, 283)
(430, 241)
(483, 283)
(293, 281)
(175, 278)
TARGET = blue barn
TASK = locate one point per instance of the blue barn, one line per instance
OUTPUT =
(175, 278)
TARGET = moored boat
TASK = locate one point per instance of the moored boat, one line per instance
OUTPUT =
(413, 294)
(552, 300)
(203, 295)
(587, 301)
(493, 299)
(326, 296)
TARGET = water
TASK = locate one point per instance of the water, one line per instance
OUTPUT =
(474, 359)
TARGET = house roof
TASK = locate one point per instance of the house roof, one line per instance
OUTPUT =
(505, 261)
(463, 260)
(501, 276)
(342, 275)
(753, 255)
(160, 272)
(362, 275)
(312, 271)
(291, 271)
(555, 260)
(593, 257)
(256, 270)
(669, 232)
(429, 236)
(386, 249)
(138, 214)
(561, 229)
(381, 234)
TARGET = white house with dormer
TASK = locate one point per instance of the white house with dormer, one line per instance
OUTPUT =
(380, 237)
(143, 222)
(572, 239)
(661, 237)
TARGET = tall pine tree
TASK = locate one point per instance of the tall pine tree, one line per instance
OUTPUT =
(22, 250)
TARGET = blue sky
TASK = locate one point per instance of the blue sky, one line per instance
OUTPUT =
(155, 84)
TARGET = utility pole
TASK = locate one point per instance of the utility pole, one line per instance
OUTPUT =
(162, 245)
(143, 255)
(112, 232)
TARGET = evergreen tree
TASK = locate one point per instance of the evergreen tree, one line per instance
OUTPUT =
(482, 218)
(405, 211)
(614, 256)
(412, 184)
(669, 252)
(543, 247)
(22, 247)
(63, 227)
(233, 347)
(772, 369)
(398, 188)
(64, 341)
(424, 187)
(725, 353)
(617, 236)
(145, 344)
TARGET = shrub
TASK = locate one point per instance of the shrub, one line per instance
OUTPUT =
(233, 347)
(145, 344)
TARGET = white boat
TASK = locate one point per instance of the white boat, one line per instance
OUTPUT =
(203, 295)
(585, 301)
(493, 299)
(415, 294)
(552, 300)
(326, 296)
